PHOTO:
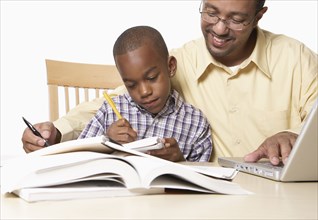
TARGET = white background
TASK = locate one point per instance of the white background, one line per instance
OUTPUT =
(84, 31)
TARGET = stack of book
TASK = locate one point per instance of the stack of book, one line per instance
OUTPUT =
(95, 167)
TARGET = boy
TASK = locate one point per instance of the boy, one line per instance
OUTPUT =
(151, 107)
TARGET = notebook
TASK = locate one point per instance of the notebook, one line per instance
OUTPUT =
(302, 162)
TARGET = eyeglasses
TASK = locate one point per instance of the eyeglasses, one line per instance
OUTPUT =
(230, 23)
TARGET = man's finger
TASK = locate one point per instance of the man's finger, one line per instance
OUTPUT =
(255, 155)
(285, 151)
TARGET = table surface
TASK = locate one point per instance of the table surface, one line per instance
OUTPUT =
(271, 200)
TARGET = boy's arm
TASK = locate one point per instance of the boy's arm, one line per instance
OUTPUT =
(201, 149)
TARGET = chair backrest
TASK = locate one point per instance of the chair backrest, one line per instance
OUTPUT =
(91, 78)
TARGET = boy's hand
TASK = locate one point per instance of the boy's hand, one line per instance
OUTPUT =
(170, 151)
(121, 132)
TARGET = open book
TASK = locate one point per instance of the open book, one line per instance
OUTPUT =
(99, 144)
(103, 145)
(90, 174)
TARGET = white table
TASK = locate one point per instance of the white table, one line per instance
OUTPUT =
(272, 200)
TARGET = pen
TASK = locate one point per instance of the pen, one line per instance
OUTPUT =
(112, 104)
(34, 131)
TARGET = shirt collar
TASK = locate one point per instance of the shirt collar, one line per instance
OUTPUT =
(173, 104)
(258, 56)
(204, 59)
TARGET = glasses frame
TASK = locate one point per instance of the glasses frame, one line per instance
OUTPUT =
(226, 22)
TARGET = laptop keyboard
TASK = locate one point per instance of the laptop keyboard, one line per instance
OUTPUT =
(269, 165)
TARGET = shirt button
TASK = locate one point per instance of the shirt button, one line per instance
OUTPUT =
(233, 110)
(238, 141)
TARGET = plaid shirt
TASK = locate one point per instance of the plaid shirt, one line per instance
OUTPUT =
(177, 119)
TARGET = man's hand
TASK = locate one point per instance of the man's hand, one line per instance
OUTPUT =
(274, 147)
(170, 151)
(121, 132)
(48, 132)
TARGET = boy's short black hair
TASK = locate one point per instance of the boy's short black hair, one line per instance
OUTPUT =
(136, 37)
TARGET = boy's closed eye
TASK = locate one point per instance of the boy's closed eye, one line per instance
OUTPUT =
(150, 77)
(130, 84)
(153, 77)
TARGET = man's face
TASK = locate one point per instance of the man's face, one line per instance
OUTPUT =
(227, 45)
(146, 77)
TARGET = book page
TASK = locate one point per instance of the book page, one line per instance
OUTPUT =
(217, 172)
(150, 143)
(81, 190)
(62, 168)
(86, 144)
(153, 172)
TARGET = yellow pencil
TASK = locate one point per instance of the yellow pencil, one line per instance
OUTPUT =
(112, 104)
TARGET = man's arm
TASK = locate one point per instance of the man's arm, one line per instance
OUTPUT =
(280, 145)
(67, 127)
(72, 124)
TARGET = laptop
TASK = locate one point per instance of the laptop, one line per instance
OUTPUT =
(302, 162)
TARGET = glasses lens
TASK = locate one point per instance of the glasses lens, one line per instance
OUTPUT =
(234, 26)
(212, 19)
(209, 18)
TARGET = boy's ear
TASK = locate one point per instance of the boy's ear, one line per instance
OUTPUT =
(172, 65)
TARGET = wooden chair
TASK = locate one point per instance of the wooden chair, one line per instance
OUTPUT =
(78, 77)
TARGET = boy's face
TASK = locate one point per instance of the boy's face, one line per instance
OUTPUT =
(147, 77)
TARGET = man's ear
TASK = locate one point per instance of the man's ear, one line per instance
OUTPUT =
(259, 15)
(172, 66)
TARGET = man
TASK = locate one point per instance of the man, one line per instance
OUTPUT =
(251, 84)
(255, 88)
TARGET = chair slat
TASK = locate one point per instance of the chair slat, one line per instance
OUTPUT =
(53, 101)
(96, 93)
(86, 95)
(67, 99)
(78, 76)
(77, 96)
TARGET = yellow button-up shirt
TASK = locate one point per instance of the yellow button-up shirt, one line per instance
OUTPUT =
(271, 91)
